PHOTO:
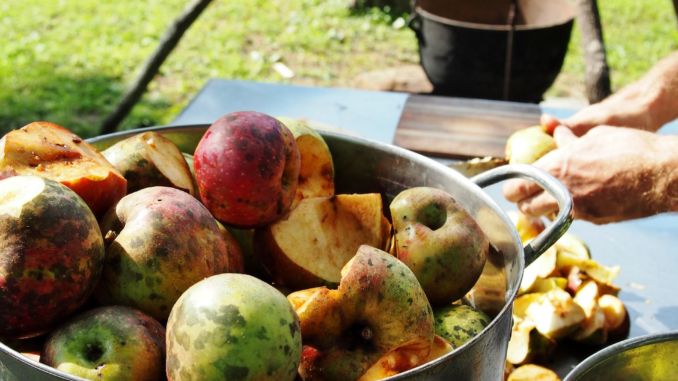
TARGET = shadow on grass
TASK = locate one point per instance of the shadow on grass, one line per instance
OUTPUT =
(78, 103)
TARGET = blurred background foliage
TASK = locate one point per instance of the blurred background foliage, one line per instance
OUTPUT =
(69, 61)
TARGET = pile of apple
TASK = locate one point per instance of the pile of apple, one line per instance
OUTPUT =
(237, 262)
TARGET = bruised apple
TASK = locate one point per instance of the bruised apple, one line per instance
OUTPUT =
(310, 245)
(51, 254)
(49, 150)
(316, 174)
(113, 343)
(159, 242)
(232, 327)
(247, 169)
(379, 308)
(150, 159)
(439, 241)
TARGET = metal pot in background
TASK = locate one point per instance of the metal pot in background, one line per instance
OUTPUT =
(366, 166)
(646, 358)
(493, 49)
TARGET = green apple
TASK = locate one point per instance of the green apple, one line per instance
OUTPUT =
(527, 145)
(439, 241)
(459, 323)
(232, 327)
(113, 343)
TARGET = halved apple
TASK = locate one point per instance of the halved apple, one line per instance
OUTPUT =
(48, 150)
(316, 174)
(310, 245)
(150, 159)
(379, 311)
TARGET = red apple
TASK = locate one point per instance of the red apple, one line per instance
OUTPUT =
(51, 254)
(247, 169)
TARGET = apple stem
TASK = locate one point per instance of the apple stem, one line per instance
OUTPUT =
(366, 333)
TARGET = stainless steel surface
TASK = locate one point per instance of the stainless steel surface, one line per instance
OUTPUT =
(367, 166)
(645, 358)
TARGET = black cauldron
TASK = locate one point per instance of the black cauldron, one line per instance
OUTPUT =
(492, 49)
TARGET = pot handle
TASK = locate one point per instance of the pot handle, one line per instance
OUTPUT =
(562, 221)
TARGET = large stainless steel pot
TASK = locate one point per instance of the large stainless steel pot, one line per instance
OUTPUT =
(647, 358)
(367, 166)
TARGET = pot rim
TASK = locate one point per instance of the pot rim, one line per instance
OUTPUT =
(609, 352)
(568, 18)
(511, 291)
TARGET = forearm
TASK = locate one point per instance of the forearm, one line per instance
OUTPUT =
(658, 89)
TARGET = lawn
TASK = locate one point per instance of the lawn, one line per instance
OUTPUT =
(68, 61)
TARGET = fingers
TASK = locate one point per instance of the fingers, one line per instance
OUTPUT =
(538, 205)
(563, 136)
(549, 123)
(516, 190)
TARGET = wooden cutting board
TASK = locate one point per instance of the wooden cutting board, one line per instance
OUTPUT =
(461, 128)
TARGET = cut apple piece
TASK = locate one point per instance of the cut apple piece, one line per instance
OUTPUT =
(527, 343)
(521, 303)
(309, 246)
(149, 159)
(48, 150)
(570, 243)
(614, 310)
(532, 372)
(387, 365)
(548, 284)
(316, 174)
(528, 227)
(587, 297)
(555, 314)
(592, 330)
(542, 267)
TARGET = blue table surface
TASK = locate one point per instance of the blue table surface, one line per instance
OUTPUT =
(645, 249)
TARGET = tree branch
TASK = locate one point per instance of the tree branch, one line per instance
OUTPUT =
(167, 43)
(593, 46)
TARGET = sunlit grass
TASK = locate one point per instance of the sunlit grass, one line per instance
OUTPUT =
(69, 61)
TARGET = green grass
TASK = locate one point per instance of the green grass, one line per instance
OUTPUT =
(637, 34)
(69, 61)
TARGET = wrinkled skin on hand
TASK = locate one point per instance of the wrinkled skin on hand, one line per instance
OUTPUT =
(613, 174)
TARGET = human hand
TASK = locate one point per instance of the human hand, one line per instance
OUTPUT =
(612, 173)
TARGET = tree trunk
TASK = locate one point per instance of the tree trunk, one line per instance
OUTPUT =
(167, 43)
(593, 46)
(675, 7)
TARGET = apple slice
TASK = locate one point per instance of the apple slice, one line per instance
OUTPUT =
(150, 159)
(555, 314)
(49, 150)
(309, 246)
(316, 174)
(527, 343)
(532, 372)
(542, 267)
